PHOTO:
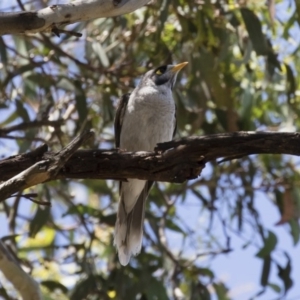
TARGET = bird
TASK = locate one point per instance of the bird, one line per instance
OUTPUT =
(145, 117)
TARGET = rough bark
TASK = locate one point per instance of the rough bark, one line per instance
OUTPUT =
(55, 16)
(43, 170)
(174, 161)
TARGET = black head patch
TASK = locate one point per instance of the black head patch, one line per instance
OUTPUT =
(160, 75)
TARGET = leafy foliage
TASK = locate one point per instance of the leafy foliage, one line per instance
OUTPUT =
(242, 75)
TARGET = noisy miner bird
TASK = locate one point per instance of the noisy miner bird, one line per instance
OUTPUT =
(144, 118)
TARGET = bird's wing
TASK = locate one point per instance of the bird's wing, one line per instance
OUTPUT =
(175, 122)
(122, 104)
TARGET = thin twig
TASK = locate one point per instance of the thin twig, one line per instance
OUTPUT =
(21, 5)
(45, 203)
(26, 125)
(57, 32)
(23, 138)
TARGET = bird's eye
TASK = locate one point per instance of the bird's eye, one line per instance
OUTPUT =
(160, 70)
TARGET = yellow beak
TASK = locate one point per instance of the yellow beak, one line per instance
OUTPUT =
(178, 67)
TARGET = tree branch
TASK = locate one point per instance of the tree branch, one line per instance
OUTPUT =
(31, 124)
(43, 170)
(27, 287)
(50, 18)
(174, 161)
(236, 144)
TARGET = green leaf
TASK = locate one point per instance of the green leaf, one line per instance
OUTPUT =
(173, 226)
(81, 103)
(163, 14)
(291, 82)
(222, 117)
(99, 50)
(206, 272)
(13, 116)
(212, 77)
(295, 230)
(22, 111)
(3, 53)
(82, 209)
(4, 294)
(199, 291)
(52, 285)
(265, 271)
(109, 220)
(156, 290)
(274, 287)
(20, 70)
(221, 291)
(253, 26)
(40, 79)
(20, 44)
(245, 111)
(284, 273)
(89, 285)
(66, 84)
(272, 60)
(269, 245)
(297, 3)
(86, 210)
(43, 240)
(40, 218)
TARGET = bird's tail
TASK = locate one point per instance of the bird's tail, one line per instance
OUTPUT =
(129, 228)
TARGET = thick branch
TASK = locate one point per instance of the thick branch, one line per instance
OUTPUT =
(49, 18)
(236, 144)
(44, 170)
(174, 161)
(27, 287)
